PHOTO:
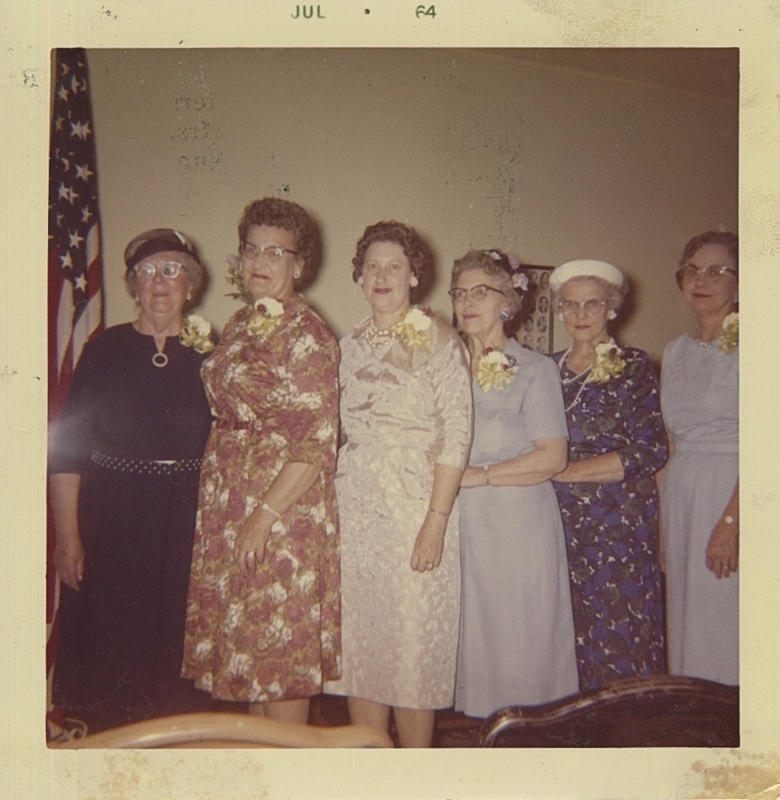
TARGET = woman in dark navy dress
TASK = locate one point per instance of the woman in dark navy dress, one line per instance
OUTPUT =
(124, 490)
(607, 493)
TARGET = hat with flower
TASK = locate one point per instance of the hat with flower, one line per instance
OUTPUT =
(157, 240)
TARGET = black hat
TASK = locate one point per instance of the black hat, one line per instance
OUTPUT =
(158, 240)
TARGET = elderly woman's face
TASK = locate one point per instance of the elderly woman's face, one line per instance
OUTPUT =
(387, 278)
(478, 302)
(584, 309)
(156, 292)
(707, 295)
(269, 264)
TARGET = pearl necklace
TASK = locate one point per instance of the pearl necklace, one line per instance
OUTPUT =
(376, 338)
(567, 381)
(701, 342)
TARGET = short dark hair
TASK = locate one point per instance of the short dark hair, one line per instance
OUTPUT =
(277, 213)
(729, 240)
(415, 249)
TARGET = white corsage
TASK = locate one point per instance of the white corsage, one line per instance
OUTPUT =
(494, 370)
(608, 363)
(729, 339)
(412, 329)
(266, 318)
(196, 333)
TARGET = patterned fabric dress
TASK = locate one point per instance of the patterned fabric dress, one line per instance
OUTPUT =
(404, 408)
(612, 528)
(274, 635)
(700, 399)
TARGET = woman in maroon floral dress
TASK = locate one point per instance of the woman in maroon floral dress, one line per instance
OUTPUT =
(263, 618)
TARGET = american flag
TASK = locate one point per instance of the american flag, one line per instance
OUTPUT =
(75, 269)
(75, 279)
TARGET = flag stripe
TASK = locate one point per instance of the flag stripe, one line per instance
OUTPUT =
(74, 265)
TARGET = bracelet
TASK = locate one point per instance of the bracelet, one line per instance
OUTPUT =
(487, 474)
(436, 511)
(268, 508)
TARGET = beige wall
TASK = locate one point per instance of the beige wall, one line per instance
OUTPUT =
(472, 148)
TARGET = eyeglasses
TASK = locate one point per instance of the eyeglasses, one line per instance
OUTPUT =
(271, 254)
(590, 307)
(690, 271)
(475, 292)
(168, 269)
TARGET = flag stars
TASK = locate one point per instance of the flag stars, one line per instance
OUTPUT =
(86, 214)
(63, 93)
(75, 239)
(65, 163)
(67, 193)
(81, 283)
(84, 172)
(80, 129)
(67, 261)
(58, 122)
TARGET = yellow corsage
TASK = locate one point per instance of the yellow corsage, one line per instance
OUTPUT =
(266, 318)
(196, 333)
(412, 329)
(729, 339)
(494, 370)
(608, 363)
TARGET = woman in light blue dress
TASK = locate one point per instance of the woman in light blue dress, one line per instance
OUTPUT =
(700, 483)
(516, 642)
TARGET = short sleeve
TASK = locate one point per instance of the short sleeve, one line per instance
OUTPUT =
(453, 407)
(542, 408)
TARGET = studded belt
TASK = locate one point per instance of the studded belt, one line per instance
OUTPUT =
(144, 466)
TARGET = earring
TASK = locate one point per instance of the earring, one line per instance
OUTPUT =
(413, 281)
(360, 281)
(560, 316)
(504, 315)
(612, 314)
(296, 275)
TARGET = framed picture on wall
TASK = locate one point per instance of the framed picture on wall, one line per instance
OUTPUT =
(537, 313)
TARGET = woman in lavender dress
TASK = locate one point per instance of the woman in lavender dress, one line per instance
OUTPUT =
(516, 643)
(700, 484)
(607, 493)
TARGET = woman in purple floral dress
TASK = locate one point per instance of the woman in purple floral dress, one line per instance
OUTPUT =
(607, 494)
(263, 618)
